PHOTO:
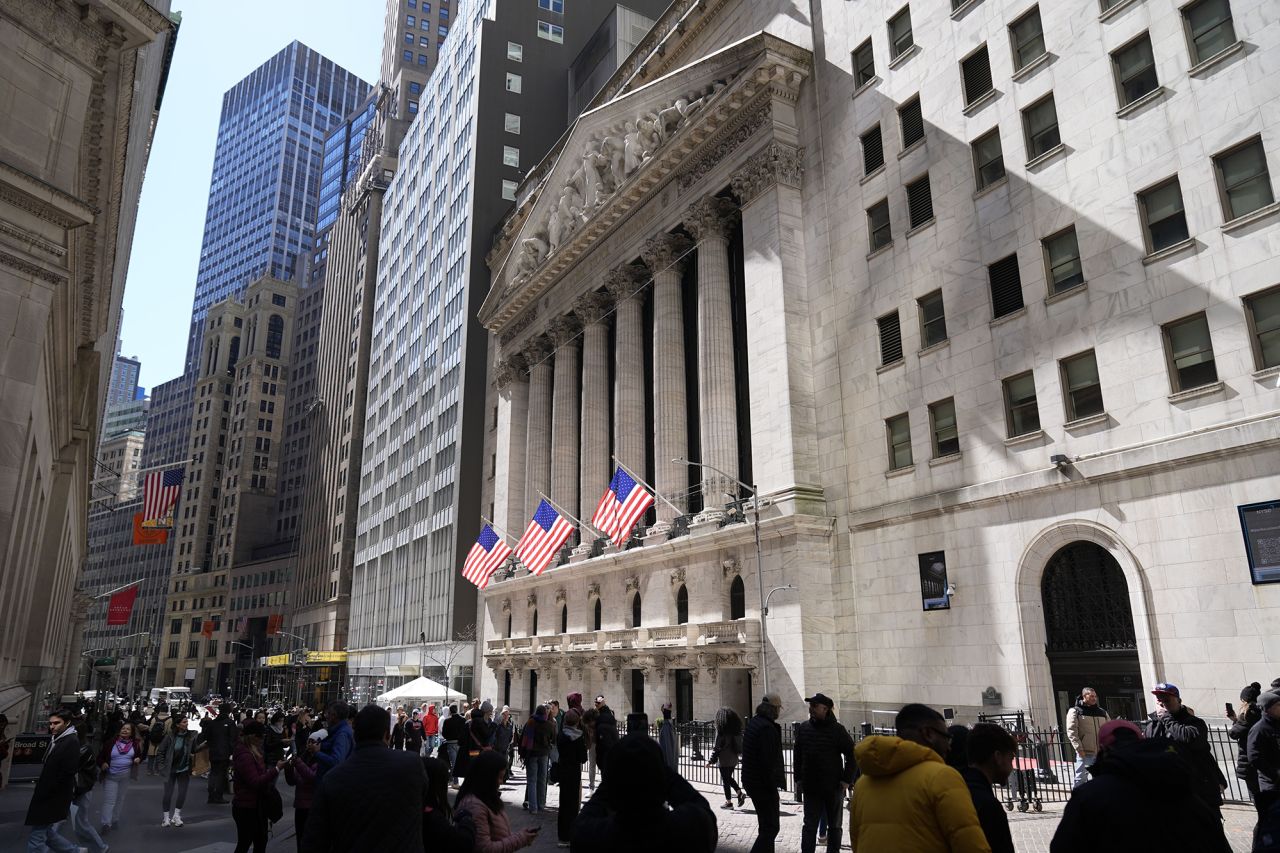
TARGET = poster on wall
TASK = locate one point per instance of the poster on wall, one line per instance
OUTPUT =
(1261, 525)
(933, 581)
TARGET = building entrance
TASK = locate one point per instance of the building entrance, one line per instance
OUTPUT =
(1089, 629)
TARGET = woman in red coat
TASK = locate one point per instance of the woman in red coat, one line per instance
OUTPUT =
(254, 780)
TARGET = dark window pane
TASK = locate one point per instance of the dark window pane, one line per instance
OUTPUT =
(912, 123)
(898, 430)
(1021, 412)
(933, 320)
(1083, 389)
(1210, 28)
(878, 225)
(1006, 286)
(1028, 39)
(890, 338)
(1041, 123)
(1245, 180)
(1135, 70)
(946, 436)
(872, 150)
(919, 201)
(864, 64)
(1166, 219)
(988, 159)
(900, 40)
(976, 72)
(1062, 255)
(1191, 353)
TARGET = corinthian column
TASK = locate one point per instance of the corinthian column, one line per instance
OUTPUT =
(709, 221)
(564, 415)
(537, 353)
(591, 309)
(509, 510)
(663, 256)
(628, 399)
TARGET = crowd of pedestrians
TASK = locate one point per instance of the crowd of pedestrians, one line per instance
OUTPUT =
(374, 779)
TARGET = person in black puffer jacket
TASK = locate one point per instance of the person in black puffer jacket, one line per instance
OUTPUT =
(1264, 758)
(762, 770)
(606, 734)
(824, 769)
(1243, 719)
(1190, 735)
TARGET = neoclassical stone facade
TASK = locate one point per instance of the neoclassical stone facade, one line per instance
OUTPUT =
(966, 371)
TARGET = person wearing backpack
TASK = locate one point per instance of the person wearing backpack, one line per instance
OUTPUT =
(86, 778)
(156, 730)
(255, 801)
(535, 750)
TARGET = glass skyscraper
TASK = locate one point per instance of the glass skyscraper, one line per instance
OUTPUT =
(341, 159)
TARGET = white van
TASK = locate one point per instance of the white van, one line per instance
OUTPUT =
(169, 695)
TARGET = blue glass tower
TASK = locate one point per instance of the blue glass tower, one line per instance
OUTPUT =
(341, 159)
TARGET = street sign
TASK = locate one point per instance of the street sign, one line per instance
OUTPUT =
(29, 748)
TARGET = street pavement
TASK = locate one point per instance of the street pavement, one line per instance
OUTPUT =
(209, 829)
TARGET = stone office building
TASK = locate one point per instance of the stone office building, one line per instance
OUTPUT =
(980, 296)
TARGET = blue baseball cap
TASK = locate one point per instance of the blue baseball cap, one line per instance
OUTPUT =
(1170, 689)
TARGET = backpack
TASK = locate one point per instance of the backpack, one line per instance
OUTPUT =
(157, 733)
(86, 771)
(526, 738)
(271, 804)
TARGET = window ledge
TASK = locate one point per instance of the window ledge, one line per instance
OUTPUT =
(963, 9)
(904, 56)
(923, 225)
(879, 170)
(1250, 218)
(919, 143)
(1170, 251)
(1193, 393)
(870, 84)
(942, 344)
(886, 247)
(1206, 65)
(1051, 154)
(943, 460)
(1025, 438)
(899, 472)
(1066, 294)
(1001, 320)
(1091, 420)
(1116, 10)
(1267, 372)
(1151, 97)
(890, 366)
(986, 98)
(1032, 67)
(991, 187)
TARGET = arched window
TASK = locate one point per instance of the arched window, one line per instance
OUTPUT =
(599, 613)
(533, 623)
(682, 605)
(233, 354)
(635, 611)
(508, 624)
(564, 619)
(737, 599)
(275, 335)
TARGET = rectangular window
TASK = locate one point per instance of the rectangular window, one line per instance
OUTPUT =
(1263, 313)
(407, 57)
(550, 32)
(1243, 180)
(1006, 286)
(556, 6)
(514, 82)
(920, 201)
(864, 64)
(510, 156)
(408, 38)
(1163, 216)
(1040, 127)
(900, 40)
(1190, 353)
(1209, 28)
(410, 21)
(898, 433)
(975, 72)
(872, 150)
(878, 225)
(1135, 70)
(442, 31)
(511, 123)
(1027, 37)
(933, 319)
(942, 424)
(1020, 413)
(988, 158)
(415, 88)
(515, 52)
(1062, 261)
(1082, 390)
(509, 190)
(422, 58)
(890, 338)
(912, 121)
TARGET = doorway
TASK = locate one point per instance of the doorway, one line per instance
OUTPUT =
(533, 690)
(1089, 630)
(684, 695)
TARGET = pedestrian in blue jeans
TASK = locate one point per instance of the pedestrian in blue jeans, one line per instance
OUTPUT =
(51, 799)
(535, 749)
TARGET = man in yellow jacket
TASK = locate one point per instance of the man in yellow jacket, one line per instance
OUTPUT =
(908, 799)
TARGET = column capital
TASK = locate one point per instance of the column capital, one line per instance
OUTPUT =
(666, 252)
(625, 280)
(776, 164)
(535, 350)
(564, 329)
(510, 369)
(592, 307)
(711, 216)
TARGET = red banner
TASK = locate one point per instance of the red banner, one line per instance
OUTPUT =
(206, 628)
(147, 536)
(274, 621)
(120, 607)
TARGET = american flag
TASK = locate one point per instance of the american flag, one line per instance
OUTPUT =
(485, 556)
(542, 538)
(621, 507)
(160, 493)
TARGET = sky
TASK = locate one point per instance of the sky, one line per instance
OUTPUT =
(220, 43)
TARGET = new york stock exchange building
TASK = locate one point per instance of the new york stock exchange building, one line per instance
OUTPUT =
(987, 347)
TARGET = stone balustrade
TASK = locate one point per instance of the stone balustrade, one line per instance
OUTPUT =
(741, 632)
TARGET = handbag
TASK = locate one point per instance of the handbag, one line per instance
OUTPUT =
(271, 804)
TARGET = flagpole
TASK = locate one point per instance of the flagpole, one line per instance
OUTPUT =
(117, 589)
(504, 534)
(639, 480)
(558, 509)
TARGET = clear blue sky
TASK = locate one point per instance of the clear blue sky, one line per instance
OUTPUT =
(220, 42)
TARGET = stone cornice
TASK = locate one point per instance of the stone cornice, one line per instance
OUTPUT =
(43, 200)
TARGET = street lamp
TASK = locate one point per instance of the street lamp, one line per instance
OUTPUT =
(253, 662)
(764, 604)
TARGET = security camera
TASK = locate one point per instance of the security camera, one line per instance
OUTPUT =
(1060, 461)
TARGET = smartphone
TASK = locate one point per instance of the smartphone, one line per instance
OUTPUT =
(1229, 709)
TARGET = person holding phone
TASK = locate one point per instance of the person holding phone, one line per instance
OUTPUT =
(480, 801)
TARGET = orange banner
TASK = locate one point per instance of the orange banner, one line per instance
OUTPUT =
(274, 621)
(206, 628)
(147, 535)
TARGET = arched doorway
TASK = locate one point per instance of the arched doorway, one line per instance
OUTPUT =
(1090, 638)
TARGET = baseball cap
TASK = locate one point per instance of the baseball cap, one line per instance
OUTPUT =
(1108, 734)
(821, 699)
(1165, 687)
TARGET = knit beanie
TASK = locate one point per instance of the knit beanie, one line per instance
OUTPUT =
(1250, 694)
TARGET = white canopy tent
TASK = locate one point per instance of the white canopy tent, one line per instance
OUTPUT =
(422, 690)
